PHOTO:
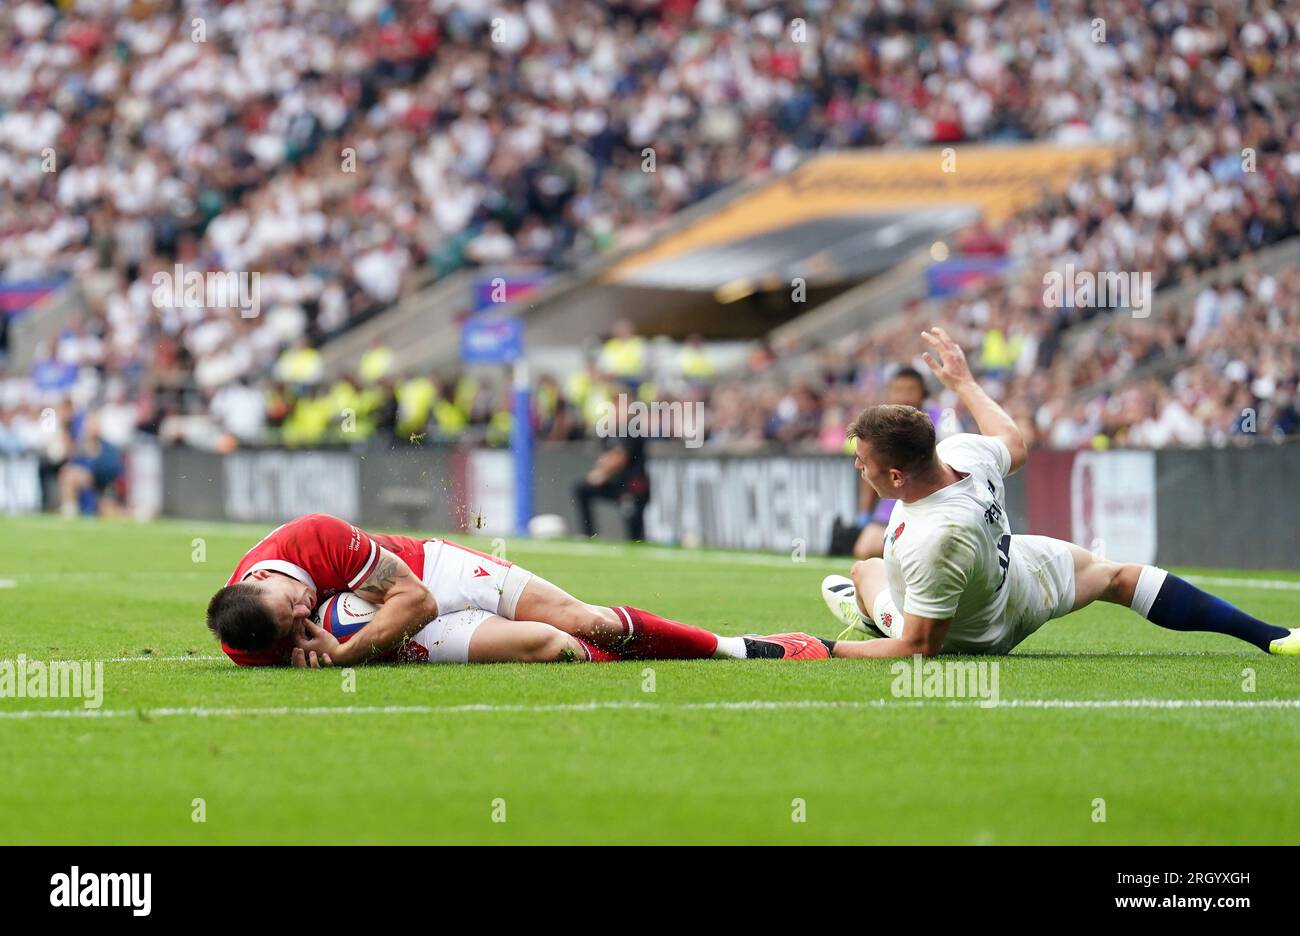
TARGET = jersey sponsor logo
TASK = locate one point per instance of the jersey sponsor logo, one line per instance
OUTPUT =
(480, 572)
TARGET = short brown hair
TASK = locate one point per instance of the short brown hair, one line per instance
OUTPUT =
(238, 616)
(900, 436)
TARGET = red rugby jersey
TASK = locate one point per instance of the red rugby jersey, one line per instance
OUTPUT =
(326, 553)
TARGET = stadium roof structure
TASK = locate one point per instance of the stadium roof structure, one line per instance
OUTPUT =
(726, 267)
(850, 215)
(835, 221)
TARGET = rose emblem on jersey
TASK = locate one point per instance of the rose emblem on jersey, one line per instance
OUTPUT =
(898, 531)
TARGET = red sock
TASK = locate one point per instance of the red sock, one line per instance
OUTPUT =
(596, 654)
(650, 637)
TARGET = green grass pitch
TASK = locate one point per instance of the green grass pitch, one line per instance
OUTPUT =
(582, 753)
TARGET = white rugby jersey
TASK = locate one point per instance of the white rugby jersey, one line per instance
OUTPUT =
(946, 555)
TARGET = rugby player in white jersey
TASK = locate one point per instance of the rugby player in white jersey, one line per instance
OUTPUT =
(954, 579)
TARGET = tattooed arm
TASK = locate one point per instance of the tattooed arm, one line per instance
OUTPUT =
(406, 606)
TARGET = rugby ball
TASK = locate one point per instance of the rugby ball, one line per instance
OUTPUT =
(345, 613)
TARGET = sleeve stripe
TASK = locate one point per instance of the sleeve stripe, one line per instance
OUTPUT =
(367, 568)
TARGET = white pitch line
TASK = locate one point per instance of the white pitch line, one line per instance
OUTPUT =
(1225, 582)
(8, 583)
(620, 706)
(138, 659)
(782, 560)
(674, 554)
(159, 659)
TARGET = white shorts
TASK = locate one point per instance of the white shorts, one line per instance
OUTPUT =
(462, 578)
(446, 638)
(1040, 580)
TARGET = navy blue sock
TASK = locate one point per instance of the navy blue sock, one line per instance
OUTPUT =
(1183, 607)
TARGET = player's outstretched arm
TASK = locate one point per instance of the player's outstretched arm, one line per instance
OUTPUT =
(922, 636)
(406, 606)
(954, 373)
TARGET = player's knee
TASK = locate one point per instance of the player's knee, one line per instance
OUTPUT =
(866, 569)
(1103, 580)
(589, 620)
(600, 616)
(554, 646)
(1121, 583)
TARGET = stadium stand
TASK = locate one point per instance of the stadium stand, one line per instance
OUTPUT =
(352, 154)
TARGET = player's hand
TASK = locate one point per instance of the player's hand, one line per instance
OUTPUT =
(951, 368)
(314, 639)
(310, 659)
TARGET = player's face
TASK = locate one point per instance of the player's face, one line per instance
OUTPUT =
(906, 391)
(288, 601)
(872, 471)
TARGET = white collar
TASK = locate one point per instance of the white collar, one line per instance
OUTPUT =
(284, 568)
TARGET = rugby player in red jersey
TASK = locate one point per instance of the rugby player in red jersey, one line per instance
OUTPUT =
(438, 602)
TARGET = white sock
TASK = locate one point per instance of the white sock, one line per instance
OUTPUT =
(730, 648)
(1149, 584)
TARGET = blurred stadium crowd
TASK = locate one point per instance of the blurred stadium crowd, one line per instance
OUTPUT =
(354, 151)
